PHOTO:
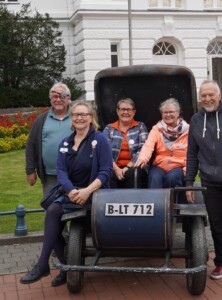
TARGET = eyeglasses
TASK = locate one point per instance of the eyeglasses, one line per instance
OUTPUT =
(168, 113)
(81, 115)
(129, 110)
(59, 95)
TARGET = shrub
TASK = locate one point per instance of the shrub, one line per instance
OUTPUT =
(35, 97)
(14, 130)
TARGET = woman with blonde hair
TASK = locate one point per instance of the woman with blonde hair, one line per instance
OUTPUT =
(84, 165)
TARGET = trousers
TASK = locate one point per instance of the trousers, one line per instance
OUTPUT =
(213, 202)
(160, 179)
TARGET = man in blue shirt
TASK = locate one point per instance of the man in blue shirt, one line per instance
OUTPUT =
(47, 132)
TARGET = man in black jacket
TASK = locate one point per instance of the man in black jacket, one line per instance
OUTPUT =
(47, 132)
(204, 153)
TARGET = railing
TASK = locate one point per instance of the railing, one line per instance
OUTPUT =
(20, 212)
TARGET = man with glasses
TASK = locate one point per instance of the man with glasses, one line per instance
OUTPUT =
(47, 132)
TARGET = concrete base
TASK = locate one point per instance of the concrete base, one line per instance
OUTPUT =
(11, 239)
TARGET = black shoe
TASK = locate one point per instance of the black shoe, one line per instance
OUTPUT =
(59, 279)
(34, 275)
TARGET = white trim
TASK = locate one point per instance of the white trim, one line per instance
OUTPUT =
(209, 61)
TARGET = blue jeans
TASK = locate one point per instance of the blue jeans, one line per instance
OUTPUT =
(160, 179)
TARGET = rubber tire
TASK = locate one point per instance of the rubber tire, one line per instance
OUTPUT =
(75, 251)
(196, 245)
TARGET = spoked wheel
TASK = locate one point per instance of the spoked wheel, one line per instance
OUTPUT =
(75, 255)
(195, 244)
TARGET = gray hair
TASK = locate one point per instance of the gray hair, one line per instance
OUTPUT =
(170, 101)
(214, 82)
(126, 100)
(60, 85)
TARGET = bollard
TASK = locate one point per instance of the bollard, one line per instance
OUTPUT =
(21, 229)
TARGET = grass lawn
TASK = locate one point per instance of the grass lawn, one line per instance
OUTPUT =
(14, 190)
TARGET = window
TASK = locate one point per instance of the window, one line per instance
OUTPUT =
(178, 4)
(165, 53)
(114, 55)
(164, 48)
(214, 48)
(208, 3)
(165, 3)
(214, 51)
(153, 3)
(212, 3)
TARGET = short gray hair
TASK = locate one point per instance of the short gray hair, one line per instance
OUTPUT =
(126, 100)
(214, 82)
(170, 101)
(60, 85)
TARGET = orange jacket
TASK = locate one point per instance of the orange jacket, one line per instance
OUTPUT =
(165, 158)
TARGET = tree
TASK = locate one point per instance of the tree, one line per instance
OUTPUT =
(32, 58)
(75, 90)
(31, 52)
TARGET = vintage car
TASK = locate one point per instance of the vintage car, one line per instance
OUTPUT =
(140, 222)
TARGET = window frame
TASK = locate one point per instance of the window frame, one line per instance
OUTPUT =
(162, 4)
(114, 54)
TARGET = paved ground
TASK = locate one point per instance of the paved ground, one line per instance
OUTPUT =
(17, 258)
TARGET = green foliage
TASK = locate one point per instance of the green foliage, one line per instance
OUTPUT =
(14, 131)
(24, 97)
(35, 97)
(72, 83)
(8, 144)
(14, 190)
(31, 52)
(32, 58)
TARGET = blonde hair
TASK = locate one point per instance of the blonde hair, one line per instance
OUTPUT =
(91, 110)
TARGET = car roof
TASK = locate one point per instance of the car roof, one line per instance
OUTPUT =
(148, 86)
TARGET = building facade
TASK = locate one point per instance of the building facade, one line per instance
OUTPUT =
(100, 34)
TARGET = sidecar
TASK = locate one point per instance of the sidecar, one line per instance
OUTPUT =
(140, 222)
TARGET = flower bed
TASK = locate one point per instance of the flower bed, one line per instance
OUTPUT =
(14, 129)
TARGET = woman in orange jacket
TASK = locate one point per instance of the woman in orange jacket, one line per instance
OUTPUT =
(167, 145)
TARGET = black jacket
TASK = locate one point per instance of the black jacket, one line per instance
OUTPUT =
(33, 151)
(205, 148)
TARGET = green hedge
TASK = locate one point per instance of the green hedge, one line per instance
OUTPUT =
(39, 97)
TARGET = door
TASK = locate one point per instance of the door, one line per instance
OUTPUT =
(217, 70)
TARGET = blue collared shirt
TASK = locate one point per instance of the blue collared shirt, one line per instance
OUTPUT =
(54, 131)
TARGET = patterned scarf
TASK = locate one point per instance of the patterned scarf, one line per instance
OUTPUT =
(173, 133)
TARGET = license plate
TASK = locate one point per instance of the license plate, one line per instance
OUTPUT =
(129, 209)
